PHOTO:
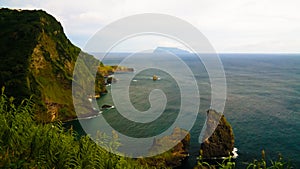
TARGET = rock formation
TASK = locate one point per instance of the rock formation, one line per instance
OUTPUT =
(175, 156)
(221, 142)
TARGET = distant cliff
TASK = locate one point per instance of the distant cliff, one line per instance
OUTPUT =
(38, 59)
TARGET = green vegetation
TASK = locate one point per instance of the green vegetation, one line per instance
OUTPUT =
(256, 164)
(262, 164)
(24, 143)
(32, 43)
(38, 59)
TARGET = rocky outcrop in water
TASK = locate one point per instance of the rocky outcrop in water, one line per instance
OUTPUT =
(175, 156)
(221, 142)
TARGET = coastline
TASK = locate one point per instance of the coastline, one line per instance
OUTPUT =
(83, 117)
(90, 115)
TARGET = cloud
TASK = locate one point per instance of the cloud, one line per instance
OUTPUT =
(231, 25)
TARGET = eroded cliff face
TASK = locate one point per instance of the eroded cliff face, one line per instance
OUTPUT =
(37, 59)
(221, 142)
(51, 71)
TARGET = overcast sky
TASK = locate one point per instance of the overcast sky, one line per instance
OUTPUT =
(260, 26)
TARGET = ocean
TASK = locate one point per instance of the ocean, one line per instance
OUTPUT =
(262, 104)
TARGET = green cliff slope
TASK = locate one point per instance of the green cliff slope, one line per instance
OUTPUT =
(38, 59)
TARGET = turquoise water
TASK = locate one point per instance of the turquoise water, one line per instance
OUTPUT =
(263, 103)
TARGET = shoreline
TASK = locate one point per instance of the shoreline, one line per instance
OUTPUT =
(90, 115)
(84, 116)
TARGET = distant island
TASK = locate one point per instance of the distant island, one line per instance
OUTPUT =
(170, 49)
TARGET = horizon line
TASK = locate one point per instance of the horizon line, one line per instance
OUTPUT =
(290, 53)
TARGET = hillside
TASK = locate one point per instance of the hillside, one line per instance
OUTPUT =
(38, 59)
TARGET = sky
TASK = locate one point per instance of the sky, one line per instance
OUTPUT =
(231, 26)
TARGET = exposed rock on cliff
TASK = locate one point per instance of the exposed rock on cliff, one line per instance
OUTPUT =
(221, 142)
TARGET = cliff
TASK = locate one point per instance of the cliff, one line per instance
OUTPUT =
(38, 59)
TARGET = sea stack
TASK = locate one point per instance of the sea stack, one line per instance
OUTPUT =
(221, 142)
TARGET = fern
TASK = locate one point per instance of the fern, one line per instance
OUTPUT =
(25, 143)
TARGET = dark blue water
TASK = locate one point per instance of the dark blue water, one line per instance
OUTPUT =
(263, 103)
